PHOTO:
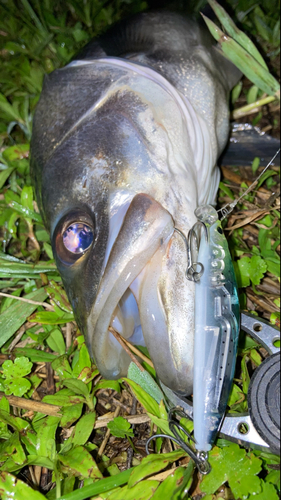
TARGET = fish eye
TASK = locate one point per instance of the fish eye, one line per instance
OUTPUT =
(219, 230)
(73, 236)
(78, 237)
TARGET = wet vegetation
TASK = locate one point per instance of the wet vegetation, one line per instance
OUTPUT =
(65, 433)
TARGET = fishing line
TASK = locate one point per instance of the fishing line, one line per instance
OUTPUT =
(228, 208)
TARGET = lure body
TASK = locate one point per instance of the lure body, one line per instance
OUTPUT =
(216, 331)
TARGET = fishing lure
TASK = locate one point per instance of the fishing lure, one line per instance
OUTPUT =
(217, 318)
(216, 330)
(217, 324)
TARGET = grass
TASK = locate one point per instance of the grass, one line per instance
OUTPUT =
(54, 440)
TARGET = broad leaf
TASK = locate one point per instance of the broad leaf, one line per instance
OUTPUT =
(152, 464)
(81, 463)
(120, 427)
(234, 465)
(12, 487)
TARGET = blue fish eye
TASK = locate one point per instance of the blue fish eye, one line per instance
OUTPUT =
(78, 237)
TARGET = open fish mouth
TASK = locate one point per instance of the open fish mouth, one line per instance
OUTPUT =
(137, 300)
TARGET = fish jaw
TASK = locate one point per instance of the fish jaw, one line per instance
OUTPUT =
(147, 226)
(144, 295)
(166, 305)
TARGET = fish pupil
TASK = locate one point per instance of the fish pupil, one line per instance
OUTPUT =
(78, 237)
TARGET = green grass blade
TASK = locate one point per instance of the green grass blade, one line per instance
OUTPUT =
(8, 268)
(236, 33)
(34, 17)
(26, 212)
(13, 317)
(35, 355)
(244, 61)
(99, 487)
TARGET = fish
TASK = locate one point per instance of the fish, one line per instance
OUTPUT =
(124, 148)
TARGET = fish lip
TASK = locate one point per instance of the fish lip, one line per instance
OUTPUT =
(146, 227)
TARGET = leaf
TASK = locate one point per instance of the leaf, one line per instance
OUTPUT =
(145, 399)
(81, 463)
(168, 487)
(16, 152)
(145, 380)
(162, 423)
(120, 427)
(21, 367)
(250, 268)
(255, 164)
(34, 355)
(4, 175)
(12, 448)
(251, 68)
(83, 429)
(9, 111)
(268, 492)
(252, 95)
(50, 318)
(13, 317)
(257, 269)
(232, 464)
(62, 367)
(18, 386)
(4, 405)
(83, 361)
(58, 295)
(236, 33)
(12, 487)
(41, 461)
(245, 375)
(226, 190)
(67, 486)
(77, 386)
(108, 384)
(56, 341)
(274, 478)
(104, 485)
(236, 395)
(64, 397)
(142, 491)
(152, 464)
(15, 422)
(46, 442)
(87, 374)
(25, 212)
(70, 414)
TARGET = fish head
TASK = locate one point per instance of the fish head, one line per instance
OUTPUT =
(105, 151)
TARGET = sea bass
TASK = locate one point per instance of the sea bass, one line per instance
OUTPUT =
(124, 148)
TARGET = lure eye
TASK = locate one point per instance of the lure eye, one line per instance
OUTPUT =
(73, 236)
(78, 237)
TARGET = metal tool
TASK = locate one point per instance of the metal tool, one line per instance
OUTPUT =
(258, 429)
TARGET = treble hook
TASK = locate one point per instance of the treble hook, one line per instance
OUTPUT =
(200, 458)
(191, 272)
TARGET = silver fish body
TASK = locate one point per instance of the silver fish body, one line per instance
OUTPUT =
(124, 148)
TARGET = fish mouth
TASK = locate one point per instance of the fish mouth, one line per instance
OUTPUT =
(144, 296)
